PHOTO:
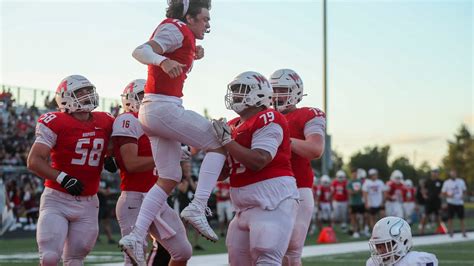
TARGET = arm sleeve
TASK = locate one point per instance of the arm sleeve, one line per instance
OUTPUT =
(169, 37)
(45, 135)
(127, 125)
(268, 138)
(316, 125)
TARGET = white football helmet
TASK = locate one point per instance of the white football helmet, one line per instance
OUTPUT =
(325, 180)
(396, 176)
(391, 240)
(341, 175)
(361, 173)
(130, 98)
(408, 183)
(248, 89)
(289, 80)
(76, 94)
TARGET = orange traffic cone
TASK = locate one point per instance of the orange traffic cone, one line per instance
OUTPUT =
(327, 236)
(441, 229)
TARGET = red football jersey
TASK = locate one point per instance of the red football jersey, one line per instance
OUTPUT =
(409, 194)
(223, 191)
(80, 147)
(242, 133)
(339, 190)
(395, 191)
(323, 193)
(296, 123)
(158, 81)
(127, 125)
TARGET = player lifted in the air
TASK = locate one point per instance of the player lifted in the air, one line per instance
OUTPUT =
(133, 153)
(169, 54)
(76, 140)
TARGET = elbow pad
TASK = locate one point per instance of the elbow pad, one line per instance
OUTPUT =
(145, 55)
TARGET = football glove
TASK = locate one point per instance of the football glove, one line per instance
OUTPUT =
(110, 165)
(185, 152)
(222, 131)
(72, 185)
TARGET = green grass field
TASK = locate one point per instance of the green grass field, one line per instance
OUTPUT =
(447, 254)
(23, 251)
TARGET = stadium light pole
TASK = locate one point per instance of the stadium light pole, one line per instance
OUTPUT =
(325, 169)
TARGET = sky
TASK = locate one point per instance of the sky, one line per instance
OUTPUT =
(399, 72)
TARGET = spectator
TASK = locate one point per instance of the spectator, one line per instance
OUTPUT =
(432, 199)
(454, 189)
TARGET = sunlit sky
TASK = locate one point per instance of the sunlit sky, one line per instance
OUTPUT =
(399, 72)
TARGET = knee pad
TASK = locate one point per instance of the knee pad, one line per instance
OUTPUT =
(50, 258)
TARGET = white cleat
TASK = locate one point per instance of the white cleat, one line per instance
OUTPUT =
(196, 216)
(133, 247)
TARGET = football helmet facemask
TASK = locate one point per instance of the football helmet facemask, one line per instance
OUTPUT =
(288, 88)
(132, 95)
(246, 90)
(76, 94)
(391, 240)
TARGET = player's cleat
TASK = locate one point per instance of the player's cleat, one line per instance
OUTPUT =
(196, 216)
(133, 247)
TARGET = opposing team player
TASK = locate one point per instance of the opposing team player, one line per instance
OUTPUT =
(76, 140)
(391, 244)
(134, 158)
(307, 126)
(169, 54)
(394, 194)
(263, 189)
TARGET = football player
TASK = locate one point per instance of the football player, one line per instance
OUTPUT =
(307, 126)
(76, 141)
(169, 54)
(339, 198)
(394, 194)
(324, 201)
(263, 189)
(391, 244)
(409, 206)
(134, 158)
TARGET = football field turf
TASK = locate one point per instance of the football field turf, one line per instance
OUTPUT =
(451, 254)
(23, 251)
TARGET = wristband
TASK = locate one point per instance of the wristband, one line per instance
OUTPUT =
(60, 177)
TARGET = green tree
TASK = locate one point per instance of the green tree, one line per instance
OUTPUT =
(372, 157)
(461, 155)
